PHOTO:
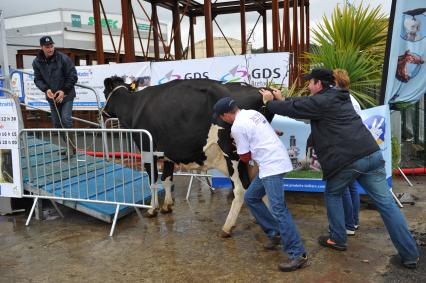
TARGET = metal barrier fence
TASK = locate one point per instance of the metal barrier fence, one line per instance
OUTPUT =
(51, 170)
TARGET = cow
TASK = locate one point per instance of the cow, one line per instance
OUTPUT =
(178, 114)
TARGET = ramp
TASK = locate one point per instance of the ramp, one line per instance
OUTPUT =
(46, 172)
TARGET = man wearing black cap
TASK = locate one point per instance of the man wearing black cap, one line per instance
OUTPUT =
(56, 76)
(347, 152)
(256, 140)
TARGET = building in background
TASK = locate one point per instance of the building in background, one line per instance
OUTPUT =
(221, 47)
(72, 29)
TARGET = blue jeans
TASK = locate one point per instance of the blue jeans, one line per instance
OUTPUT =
(351, 206)
(65, 110)
(278, 220)
(369, 171)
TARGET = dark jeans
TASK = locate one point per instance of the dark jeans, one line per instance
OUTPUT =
(351, 206)
(65, 112)
(278, 220)
(369, 171)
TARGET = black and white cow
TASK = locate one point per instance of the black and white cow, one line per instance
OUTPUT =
(178, 114)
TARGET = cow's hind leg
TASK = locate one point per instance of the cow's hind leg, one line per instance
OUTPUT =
(167, 180)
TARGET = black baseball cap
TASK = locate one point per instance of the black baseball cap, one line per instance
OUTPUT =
(320, 74)
(45, 40)
(222, 106)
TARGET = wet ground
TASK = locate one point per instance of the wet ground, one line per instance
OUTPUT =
(184, 246)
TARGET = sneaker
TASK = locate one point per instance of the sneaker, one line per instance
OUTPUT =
(411, 264)
(272, 244)
(348, 232)
(356, 227)
(329, 243)
(294, 264)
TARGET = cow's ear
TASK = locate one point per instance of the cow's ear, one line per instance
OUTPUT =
(108, 83)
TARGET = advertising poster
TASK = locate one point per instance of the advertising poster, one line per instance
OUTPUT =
(404, 76)
(10, 174)
(306, 175)
(255, 69)
(92, 76)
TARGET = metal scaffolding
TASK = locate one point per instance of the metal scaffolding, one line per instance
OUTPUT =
(295, 40)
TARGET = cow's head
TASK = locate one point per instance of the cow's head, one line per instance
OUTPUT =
(112, 86)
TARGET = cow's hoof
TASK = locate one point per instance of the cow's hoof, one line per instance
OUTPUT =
(166, 210)
(150, 214)
(224, 234)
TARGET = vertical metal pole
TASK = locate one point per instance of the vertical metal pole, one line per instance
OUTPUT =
(286, 26)
(294, 74)
(176, 31)
(275, 26)
(243, 26)
(154, 20)
(191, 34)
(302, 26)
(307, 27)
(3, 53)
(209, 28)
(127, 27)
(265, 32)
(98, 33)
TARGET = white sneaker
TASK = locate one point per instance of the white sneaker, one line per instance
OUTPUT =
(356, 227)
(350, 232)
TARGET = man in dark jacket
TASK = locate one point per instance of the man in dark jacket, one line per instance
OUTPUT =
(56, 76)
(347, 152)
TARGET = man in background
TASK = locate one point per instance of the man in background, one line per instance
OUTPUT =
(56, 76)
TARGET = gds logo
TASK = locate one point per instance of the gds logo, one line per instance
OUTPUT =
(265, 73)
(234, 75)
(197, 75)
(169, 77)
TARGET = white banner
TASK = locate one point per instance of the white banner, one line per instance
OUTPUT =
(10, 174)
(92, 76)
(255, 69)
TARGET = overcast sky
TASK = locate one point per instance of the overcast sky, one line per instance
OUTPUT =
(229, 23)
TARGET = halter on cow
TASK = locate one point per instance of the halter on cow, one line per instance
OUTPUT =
(178, 114)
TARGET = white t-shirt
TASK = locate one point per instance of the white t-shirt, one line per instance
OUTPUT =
(356, 105)
(252, 132)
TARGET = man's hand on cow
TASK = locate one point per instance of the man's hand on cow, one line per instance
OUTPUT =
(277, 94)
(267, 95)
(59, 96)
(50, 94)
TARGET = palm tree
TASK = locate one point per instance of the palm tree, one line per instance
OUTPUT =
(353, 39)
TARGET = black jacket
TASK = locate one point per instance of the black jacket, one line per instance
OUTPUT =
(56, 73)
(338, 133)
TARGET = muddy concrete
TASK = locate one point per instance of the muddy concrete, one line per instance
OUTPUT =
(184, 246)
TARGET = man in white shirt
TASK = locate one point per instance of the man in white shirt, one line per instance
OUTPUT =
(256, 140)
